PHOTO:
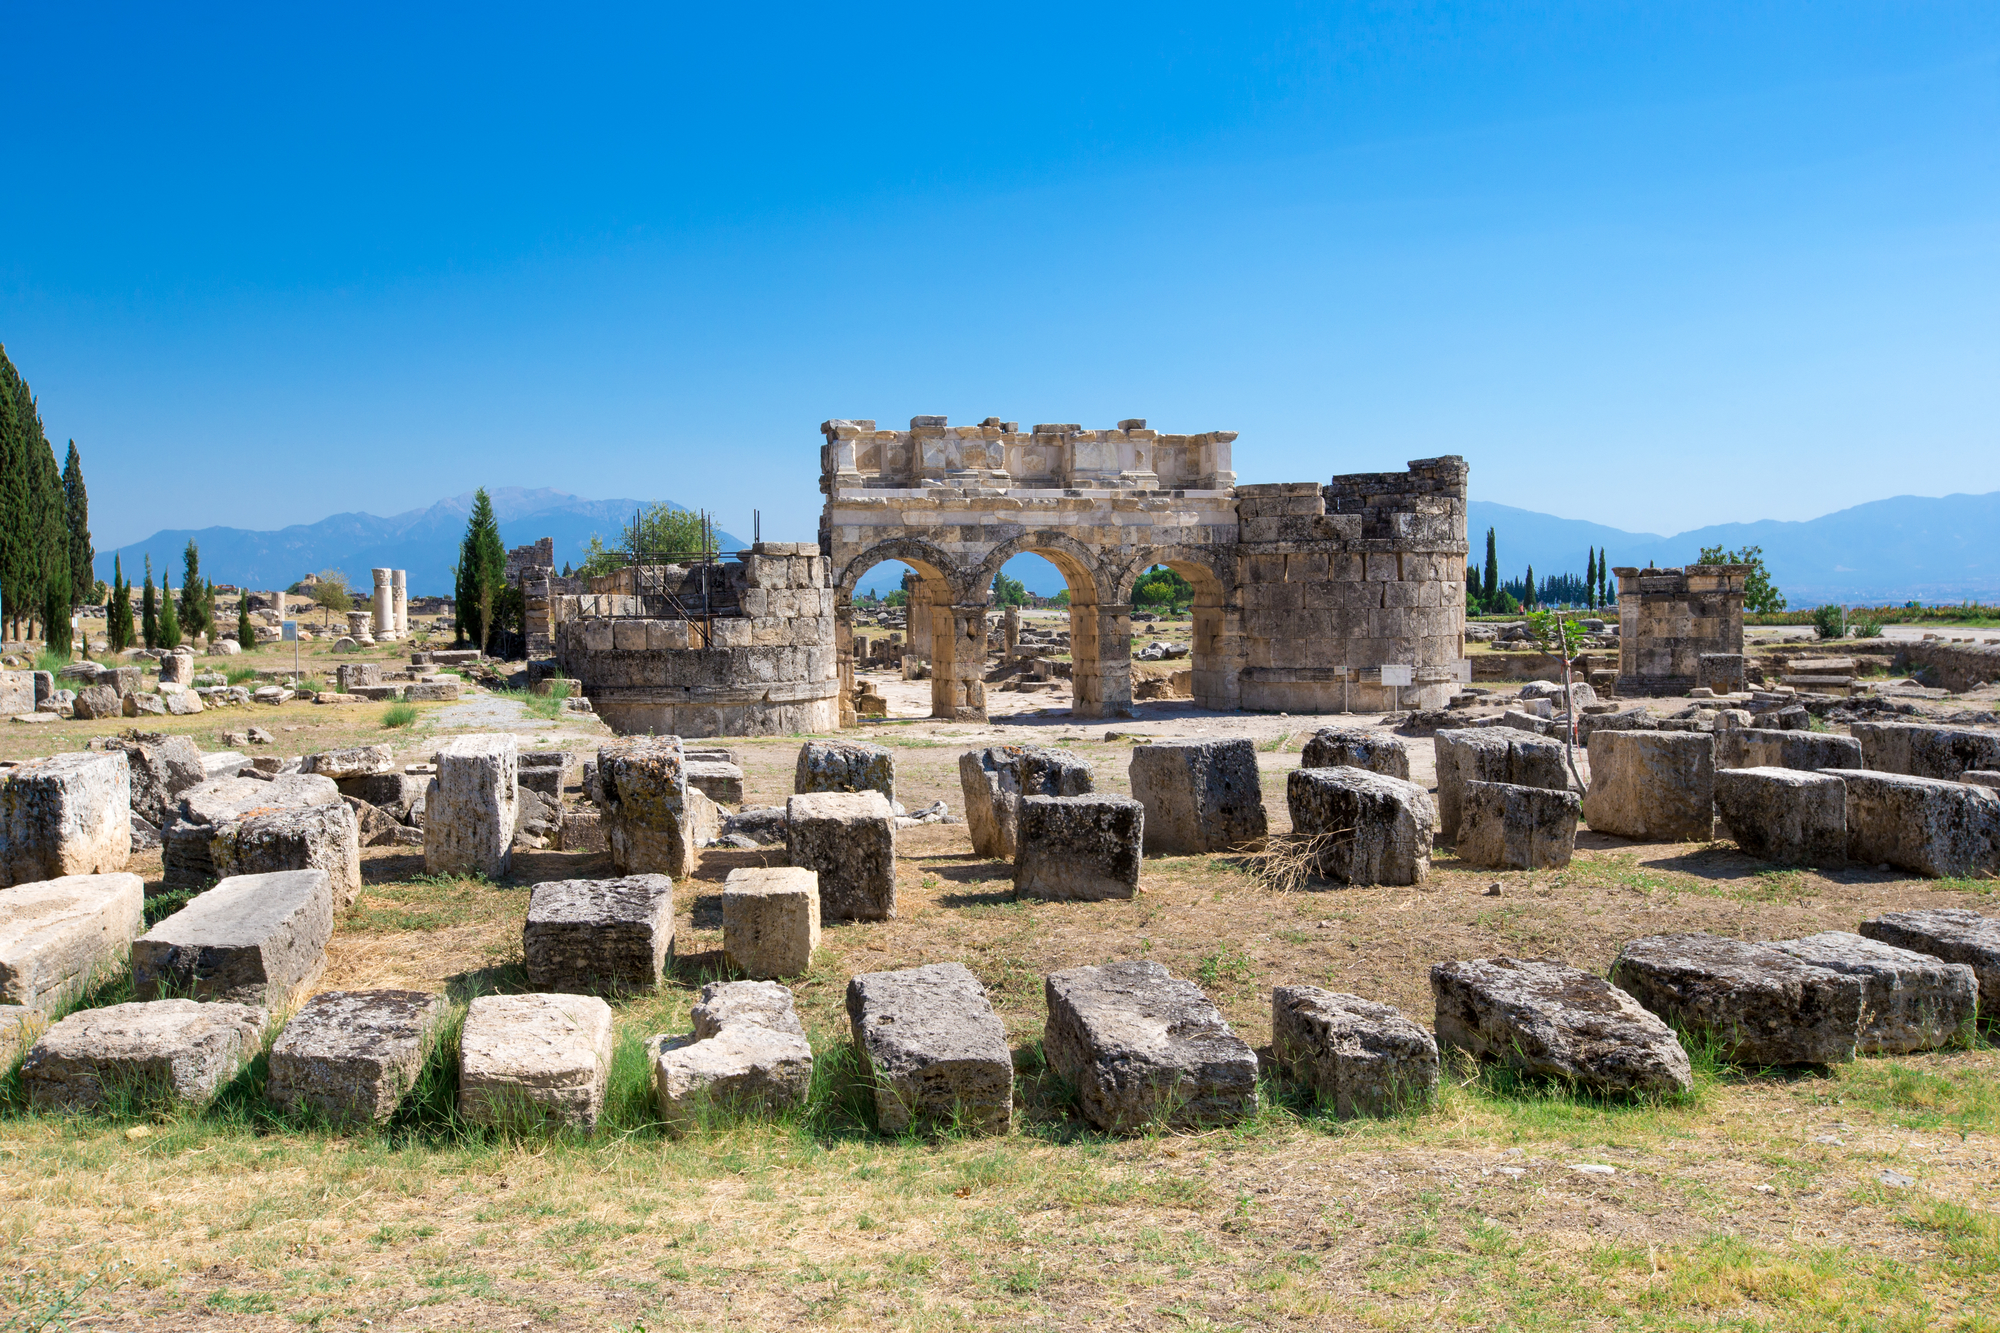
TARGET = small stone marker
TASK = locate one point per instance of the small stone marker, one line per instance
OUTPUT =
(648, 817)
(1952, 934)
(349, 1057)
(1375, 829)
(849, 840)
(252, 939)
(1351, 747)
(1079, 848)
(1492, 754)
(528, 1060)
(1146, 1049)
(935, 1049)
(146, 1053)
(1550, 1020)
(591, 935)
(70, 814)
(1200, 796)
(770, 920)
(59, 934)
(1927, 826)
(315, 837)
(1503, 826)
(748, 1056)
(1358, 1057)
(470, 807)
(1654, 786)
(845, 766)
(1783, 814)
(995, 779)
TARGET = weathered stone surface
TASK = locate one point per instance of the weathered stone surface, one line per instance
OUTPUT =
(747, 1055)
(849, 840)
(845, 766)
(142, 1054)
(1952, 934)
(1923, 825)
(1980, 778)
(1492, 754)
(590, 935)
(530, 1060)
(70, 814)
(1078, 848)
(1926, 750)
(177, 668)
(1550, 1020)
(935, 1049)
(433, 691)
(1910, 1001)
(349, 1057)
(1763, 747)
(19, 1026)
(360, 761)
(394, 794)
(1358, 1057)
(162, 767)
(97, 701)
(176, 703)
(314, 837)
(642, 781)
(1200, 796)
(1656, 786)
(252, 939)
(1783, 814)
(59, 934)
(201, 812)
(538, 819)
(1504, 826)
(470, 807)
(583, 831)
(770, 920)
(996, 778)
(1351, 747)
(720, 782)
(1146, 1049)
(1375, 829)
(1764, 1006)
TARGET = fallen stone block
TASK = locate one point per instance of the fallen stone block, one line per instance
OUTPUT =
(1352, 747)
(70, 814)
(1145, 1050)
(470, 807)
(590, 935)
(770, 920)
(1926, 750)
(432, 692)
(1952, 934)
(1492, 755)
(177, 703)
(394, 794)
(1655, 786)
(19, 1026)
(1761, 1005)
(1200, 796)
(252, 939)
(58, 935)
(1370, 829)
(849, 840)
(1926, 826)
(1503, 826)
(527, 1061)
(349, 1057)
(1078, 848)
(94, 702)
(1910, 1001)
(748, 1055)
(360, 761)
(648, 821)
(935, 1050)
(154, 1053)
(721, 783)
(1784, 814)
(996, 778)
(314, 837)
(161, 767)
(1980, 778)
(1807, 751)
(143, 705)
(202, 811)
(845, 766)
(1358, 1057)
(1549, 1020)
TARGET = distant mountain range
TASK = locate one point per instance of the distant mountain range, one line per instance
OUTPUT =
(423, 541)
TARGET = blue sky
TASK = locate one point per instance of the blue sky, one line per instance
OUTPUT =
(1651, 265)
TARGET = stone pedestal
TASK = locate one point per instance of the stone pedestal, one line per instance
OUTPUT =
(357, 627)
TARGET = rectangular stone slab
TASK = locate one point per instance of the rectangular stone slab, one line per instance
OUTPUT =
(146, 1053)
(849, 840)
(1358, 1057)
(1923, 825)
(1078, 848)
(1550, 1020)
(253, 939)
(1654, 786)
(349, 1057)
(471, 807)
(591, 935)
(936, 1051)
(1146, 1049)
(529, 1060)
(1200, 796)
(70, 814)
(1952, 934)
(1783, 814)
(1763, 1005)
(770, 920)
(58, 934)
(1910, 1001)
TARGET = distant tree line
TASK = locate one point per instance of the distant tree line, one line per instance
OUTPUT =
(1487, 594)
(45, 551)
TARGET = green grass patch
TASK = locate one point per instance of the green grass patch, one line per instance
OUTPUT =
(398, 714)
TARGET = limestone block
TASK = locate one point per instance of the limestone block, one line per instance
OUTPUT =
(349, 1057)
(1923, 825)
(444, 690)
(394, 794)
(532, 1060)
(1765, 747)
(937, 1053)
(1200, 796)
(1079, 848)
(1656, 786)
(770, 920)
(95, 702)
(470, 807)
(748, 1055)
(1504, 826)
(1352, 747)
(153, 1053)
(995, 779)
(70, 814)
(599, 935)
(1146, 1050)
(1910, 1001)
(722, 783)
(57, 935)
(1926, 750)
(582, 831)
(1763, 1005)
(135, 705)
(647, 815)
(314, 837)
(1952, 934)
(849, 840)
(1358, 1057)
(177, 668)
(1374, 829)
(845, 766)
(252, 939)
(1783, 814)
(19, 1026)
(162, 767)
(1492, 755)
(1980, 778)
(1550, 1020)
(360, 761)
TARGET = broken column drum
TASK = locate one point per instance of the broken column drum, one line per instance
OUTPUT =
(384, 607)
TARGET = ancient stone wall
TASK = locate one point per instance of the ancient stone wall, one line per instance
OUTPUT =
(1668, 618)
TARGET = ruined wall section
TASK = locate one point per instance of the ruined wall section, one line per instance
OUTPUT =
(1668, 618)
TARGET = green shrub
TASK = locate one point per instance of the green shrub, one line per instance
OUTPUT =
(399, 715)
(1829, 621)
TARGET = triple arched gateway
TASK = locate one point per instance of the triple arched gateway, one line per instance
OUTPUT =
(1303, 592)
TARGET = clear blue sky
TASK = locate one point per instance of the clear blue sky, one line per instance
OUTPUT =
(1653, 265)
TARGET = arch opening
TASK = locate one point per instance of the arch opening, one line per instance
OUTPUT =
(934, 625)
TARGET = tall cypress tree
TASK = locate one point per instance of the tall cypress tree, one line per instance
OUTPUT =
(1590, 579)
(118, 611)
(246, 633)
(149, 610)
(191, 608)
(76, 511)
(482, 572)
(1604, 580)
(1529, 589)
(17, 411)
(1492, 586)
(170, 621)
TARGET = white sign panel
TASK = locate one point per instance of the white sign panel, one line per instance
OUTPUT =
(289, 632)
(1396, 675)
(1462, 669)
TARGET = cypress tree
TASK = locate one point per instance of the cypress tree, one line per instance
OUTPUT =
(76, 511)
(1529, 589)
(55, 616)
(1590, 579)
(482, 572)
(246, 633)
(170, 621)
(191, 620)
(1604, 580)
(118, 612)
(1492, 569)
(17, 411)
(149, 610)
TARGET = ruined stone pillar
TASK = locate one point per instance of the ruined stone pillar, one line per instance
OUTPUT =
(958, 663)
(1109, 672)
(399, 601)
(843, 650)
(384, 624)
(357, 627)
(1012, 650)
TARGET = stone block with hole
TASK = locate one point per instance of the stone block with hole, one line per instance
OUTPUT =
(1358, 1057)
(1363, 828)
(348, 1058)
(529, 1061)
(599, 935)
(252, 939)
(849, 840)
(770, 920)
(934, 1049)
(1504, 826)
(1079, 848)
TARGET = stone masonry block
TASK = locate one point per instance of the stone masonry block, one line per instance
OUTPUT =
(57, 935)
(748, 1054)
(1504, 826)
(1655, 786)
(648, 818)
(1358, 1057)
(1549, 1020)
(315, 837)
(359, 761)
(470, 807)
(1923, 825)
(592, 935)
(721, 782)
(849, 840)
(1375, 829)
(1910, 1001)
(161, 769)
(845, 766)
(936, 1051)
(770, 920)
(349, 1057)
(1351, 747)
(252, 939)
(1492, 754)
(531, 1060)
(1763, 1005)
(70, 814)
(1762, 747)
(1200, 796)
(1926, 750)
(1784, 814)
(1952, 934)
(155, 1053)
(995, 779)
(1079, 848)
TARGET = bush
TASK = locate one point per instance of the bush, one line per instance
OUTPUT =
(1868, 629)
(399, 715)
(1829, 621)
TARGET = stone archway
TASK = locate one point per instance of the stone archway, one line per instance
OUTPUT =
(1217, 656)
(1100, 623)
(954, 627)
